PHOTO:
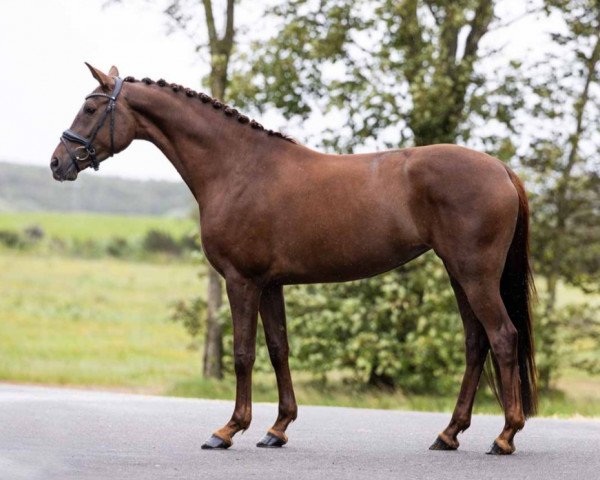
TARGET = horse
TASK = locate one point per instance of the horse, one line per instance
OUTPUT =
(274, 212)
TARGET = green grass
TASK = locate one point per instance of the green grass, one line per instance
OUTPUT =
(93, 322)
(574, 400)
(89, 226)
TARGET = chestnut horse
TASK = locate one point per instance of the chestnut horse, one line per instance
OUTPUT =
(274, 212)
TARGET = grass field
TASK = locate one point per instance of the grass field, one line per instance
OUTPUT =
(86, 226)
(105, 323)
(93, 322)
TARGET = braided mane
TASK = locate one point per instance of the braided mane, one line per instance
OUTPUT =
(217, 104)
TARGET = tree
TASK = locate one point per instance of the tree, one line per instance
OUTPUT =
(396, 70)
(192, 17)
(562, 162)
(220, 46)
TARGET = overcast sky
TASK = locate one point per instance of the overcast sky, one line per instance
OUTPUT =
(44, 43)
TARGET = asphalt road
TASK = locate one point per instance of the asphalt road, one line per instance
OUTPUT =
(63, 434)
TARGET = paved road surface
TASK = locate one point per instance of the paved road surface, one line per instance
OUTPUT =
(63, 434)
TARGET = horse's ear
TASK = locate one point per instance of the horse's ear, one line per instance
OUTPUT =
(113, 72)
(104, 80)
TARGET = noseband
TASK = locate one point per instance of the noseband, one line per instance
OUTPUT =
(87, 144)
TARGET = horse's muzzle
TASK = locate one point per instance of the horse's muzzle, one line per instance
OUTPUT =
(58, 173)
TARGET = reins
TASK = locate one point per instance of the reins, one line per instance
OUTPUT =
(87, 144)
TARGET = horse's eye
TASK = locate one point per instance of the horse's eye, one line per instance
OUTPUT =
(89, 110)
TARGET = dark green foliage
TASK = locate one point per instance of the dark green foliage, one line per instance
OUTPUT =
(118, 247)
(154, 243)
(561, 164)
(11, 239)
(401, 329)
(26, 238)
(192, 315)
(402, 72)
(158, 241)
(582, 338)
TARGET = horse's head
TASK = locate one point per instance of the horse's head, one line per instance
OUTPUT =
(103, 126)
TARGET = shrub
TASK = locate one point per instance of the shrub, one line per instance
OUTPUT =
(11, 239)
(34, 233)
(401, 329)
(157, 241)
(118, 247)
(192, 315)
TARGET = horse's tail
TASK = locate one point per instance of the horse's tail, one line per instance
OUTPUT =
(516, 289)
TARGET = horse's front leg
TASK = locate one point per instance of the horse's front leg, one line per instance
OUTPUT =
(272, 312)
(244, 299)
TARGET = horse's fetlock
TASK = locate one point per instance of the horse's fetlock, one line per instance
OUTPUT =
(460, 423)
(243, 420)
(289, 412)
(517, 422)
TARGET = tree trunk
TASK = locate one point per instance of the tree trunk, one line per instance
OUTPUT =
(220, 50)
(213, 341)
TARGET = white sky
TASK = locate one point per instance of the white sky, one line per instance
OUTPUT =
(43, 44)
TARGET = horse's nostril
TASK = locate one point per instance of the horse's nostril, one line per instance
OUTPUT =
(54, 163)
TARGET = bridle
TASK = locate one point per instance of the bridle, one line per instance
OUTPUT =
(87, 144)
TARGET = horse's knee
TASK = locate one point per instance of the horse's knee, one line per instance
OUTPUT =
(243, 362)
(278, 354)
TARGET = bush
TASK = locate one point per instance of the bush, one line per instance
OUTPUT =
(118, 247)
(401, 329)
(156, 241)
(34, 233)
(192, 315)
(11, 239)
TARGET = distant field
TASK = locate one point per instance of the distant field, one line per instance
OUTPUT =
(84, 226)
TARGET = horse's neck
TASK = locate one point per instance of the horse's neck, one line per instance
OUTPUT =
(203, 144)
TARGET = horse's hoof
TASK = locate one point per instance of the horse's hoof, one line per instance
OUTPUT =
(215, 443)
(496, 449)
(440, 444)
(271, 441)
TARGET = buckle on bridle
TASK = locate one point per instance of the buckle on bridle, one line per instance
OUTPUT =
(87, 153)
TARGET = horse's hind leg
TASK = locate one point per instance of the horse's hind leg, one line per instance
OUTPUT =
(481, 284)
(477, 347)
(272, 312)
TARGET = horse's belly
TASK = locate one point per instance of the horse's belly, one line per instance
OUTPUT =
(333, 249)
(339, 269)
